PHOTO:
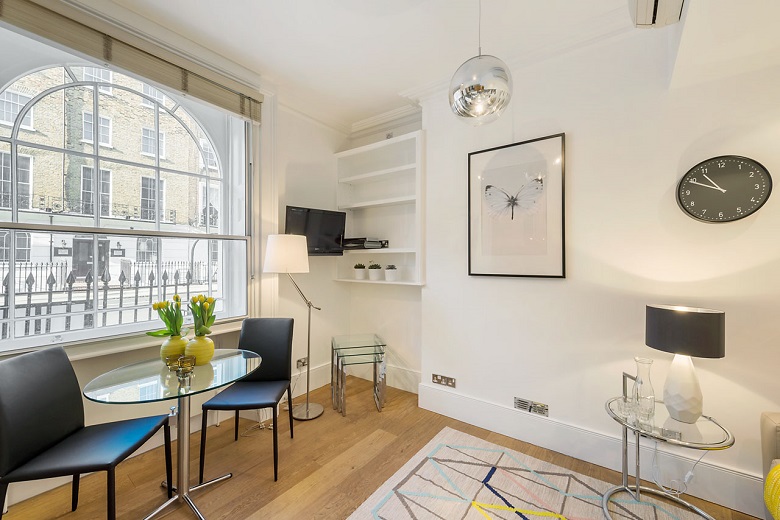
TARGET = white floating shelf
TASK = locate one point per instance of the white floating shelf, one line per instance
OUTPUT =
(411, 199)
(378, 175)
(383, 250)
(379, 282)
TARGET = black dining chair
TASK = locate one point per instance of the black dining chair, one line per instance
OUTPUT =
(271, 338)
(42, 432)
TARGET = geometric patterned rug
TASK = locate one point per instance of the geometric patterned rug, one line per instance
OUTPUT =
(460, 477)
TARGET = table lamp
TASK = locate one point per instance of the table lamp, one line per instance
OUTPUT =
(685, 332)
(288, 254)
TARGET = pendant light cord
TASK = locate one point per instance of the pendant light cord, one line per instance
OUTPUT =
(479, 31)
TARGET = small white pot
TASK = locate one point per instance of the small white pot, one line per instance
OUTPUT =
(375, 274)
(360, 274)
(391, 275)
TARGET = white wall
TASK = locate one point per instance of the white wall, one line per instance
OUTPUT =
(565, 342)
(305, 172)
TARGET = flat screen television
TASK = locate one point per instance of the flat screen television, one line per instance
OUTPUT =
(323, 229)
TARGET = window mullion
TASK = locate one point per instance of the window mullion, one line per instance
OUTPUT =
(11, 289)
(95, 155)
(14, 188)
(157, 190)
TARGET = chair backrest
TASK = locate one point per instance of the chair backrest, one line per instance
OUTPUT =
(40, 404)
(272, 339)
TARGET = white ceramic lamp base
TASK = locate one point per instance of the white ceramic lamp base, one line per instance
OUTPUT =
(682, 393)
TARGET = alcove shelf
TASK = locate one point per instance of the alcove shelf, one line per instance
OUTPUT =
(380, 186)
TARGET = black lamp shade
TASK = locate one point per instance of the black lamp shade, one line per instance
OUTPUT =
(686, 330)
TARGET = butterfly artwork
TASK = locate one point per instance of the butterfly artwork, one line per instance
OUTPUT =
(500, 203)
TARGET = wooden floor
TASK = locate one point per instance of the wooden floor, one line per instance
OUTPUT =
(333, 464)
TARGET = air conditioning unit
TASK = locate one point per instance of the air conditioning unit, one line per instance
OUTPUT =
(655, 13)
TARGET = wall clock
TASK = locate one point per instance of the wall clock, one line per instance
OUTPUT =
(724, 189)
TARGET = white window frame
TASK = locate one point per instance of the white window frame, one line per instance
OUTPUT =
(208, 157)
(160, 199)
(103, 122)
(152, 93)
(19, 105)
(5, 246)
(100, 192)
(29, 182)
(100, 75)
(150, 138)
(183, 236)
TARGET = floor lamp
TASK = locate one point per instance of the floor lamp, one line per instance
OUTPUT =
(288, 254)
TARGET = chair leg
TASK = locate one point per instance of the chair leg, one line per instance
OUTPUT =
(203, 445)
(3, 489)
(168, 460)
(235, 427)
(289, 409)
(74, 497)
(276, 444)
(111, 491)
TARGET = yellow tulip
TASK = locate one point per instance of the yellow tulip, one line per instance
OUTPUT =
(155, 306)
(194, 300)
(201, 298)
(205, 306)
(210, 299)
(176, 298)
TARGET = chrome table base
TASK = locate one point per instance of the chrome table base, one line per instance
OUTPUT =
(183, 489)
(636, 489)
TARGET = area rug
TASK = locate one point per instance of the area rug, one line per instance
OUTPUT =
(459, 477)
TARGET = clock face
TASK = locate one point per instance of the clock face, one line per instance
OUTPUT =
(724, 189)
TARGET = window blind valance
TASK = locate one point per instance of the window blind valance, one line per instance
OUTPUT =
(82, 32)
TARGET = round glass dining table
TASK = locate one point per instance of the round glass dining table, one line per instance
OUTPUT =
(151, 380)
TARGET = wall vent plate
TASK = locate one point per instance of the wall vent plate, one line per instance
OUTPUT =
(527, 405)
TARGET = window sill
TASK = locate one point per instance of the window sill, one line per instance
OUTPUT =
(106, 347)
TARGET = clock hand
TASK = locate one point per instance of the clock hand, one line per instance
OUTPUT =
(714, 183)
(707, 186)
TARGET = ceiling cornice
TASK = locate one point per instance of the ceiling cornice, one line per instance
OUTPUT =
(402, 115)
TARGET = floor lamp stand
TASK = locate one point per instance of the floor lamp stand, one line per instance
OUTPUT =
(308, 411)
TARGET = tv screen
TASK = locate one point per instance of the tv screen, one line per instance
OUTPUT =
(323, 229)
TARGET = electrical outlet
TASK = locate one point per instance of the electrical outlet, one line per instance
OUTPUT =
(443, 380)
(302, 362)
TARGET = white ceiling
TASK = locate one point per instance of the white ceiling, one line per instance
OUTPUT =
(344, 61)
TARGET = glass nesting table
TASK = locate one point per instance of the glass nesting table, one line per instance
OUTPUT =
(357, 349)
(705, 434)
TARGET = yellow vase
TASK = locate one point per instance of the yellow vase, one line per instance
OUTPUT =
(202, 347)
(172, 346)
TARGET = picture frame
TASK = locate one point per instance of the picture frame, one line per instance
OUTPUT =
(516, 209)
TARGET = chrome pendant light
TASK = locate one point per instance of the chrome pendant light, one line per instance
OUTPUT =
(481, 88)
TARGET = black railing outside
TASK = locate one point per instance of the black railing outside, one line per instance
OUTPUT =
(54, 301)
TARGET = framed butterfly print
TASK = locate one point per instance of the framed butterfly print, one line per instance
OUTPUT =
(516, 209)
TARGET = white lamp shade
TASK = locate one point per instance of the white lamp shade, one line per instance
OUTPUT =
(286, 254)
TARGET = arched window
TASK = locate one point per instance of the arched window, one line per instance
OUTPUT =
(98, 157)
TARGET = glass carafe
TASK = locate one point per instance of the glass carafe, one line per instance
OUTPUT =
(643, 393)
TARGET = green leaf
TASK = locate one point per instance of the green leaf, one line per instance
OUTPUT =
(159, 333)
(205, 330)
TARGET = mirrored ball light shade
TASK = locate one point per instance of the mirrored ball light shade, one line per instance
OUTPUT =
(480, 89)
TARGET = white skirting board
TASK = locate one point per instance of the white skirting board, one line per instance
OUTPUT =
(733, 489)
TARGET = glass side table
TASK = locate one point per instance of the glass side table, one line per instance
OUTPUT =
(357, 349)
(704, 434)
